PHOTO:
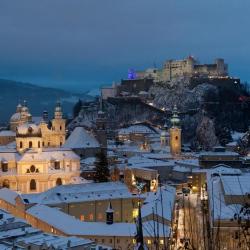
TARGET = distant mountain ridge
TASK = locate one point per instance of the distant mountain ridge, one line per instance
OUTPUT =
(38, 98)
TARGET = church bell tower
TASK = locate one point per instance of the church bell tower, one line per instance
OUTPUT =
(175, 133)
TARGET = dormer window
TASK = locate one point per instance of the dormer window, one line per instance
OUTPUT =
(30, 130)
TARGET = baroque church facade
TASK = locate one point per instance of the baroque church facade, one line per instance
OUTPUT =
(37, 161)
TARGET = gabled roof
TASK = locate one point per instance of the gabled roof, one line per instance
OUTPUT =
(81, 138)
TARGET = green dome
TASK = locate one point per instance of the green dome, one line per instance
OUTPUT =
(175, 120)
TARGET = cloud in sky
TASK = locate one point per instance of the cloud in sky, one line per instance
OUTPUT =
(86, 43)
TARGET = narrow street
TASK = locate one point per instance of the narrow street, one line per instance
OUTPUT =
(191, 226)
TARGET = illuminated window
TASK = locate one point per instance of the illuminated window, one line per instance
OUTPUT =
(135, 212)
(82, 217)
(149, 242)
(91, 217)
(161, 242)
(52, 230)
(134, 241)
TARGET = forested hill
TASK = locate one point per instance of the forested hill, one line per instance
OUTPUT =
(38, 98)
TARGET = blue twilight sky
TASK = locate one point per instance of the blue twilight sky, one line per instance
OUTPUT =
(82, 44)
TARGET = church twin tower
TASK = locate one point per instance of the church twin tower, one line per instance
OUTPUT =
(30, 135)
(174, 134)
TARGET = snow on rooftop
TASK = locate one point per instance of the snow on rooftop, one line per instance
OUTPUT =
(237, 135)
(55, 241)
(7, 133)
(81, 138)
(71, 226)
(8, 195)
(236, 185)
(142, 162)
(163, 199)
(136, 129)
(80, 192)
(219, 210)
(48, 154)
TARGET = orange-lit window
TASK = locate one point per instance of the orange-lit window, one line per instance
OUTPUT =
(82, 217)
(91, 217)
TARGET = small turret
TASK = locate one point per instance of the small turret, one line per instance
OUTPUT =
(45, 116)
(110, 214)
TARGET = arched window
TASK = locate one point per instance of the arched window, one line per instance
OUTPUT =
(60, 127)
(32, 169)
(21, 144)
(39, 145)
(30, 144)
(32, 184)
(59, 181)
(176, 138)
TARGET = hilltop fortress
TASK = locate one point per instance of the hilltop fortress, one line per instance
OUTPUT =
(188, 67)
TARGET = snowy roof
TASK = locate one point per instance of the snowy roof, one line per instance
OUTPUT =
(142, 162)
(219, 210)
(236, 185)
(7, 133)
(71, 226)
(8, 195)
(212, 153)
(163, 199)
(81, 138)
(237, 135)
(139, 129)
(182, 169)
(48, 154)
(8, 154)
(58, 242)
(80, 192)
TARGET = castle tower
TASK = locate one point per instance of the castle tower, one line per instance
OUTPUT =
(175, 133)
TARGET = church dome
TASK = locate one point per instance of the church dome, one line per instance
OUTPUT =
(28, 129)
(15, 117)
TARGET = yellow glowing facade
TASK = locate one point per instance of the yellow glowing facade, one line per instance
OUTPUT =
(38, 162)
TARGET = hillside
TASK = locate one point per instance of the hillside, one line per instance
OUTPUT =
(38, 98)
